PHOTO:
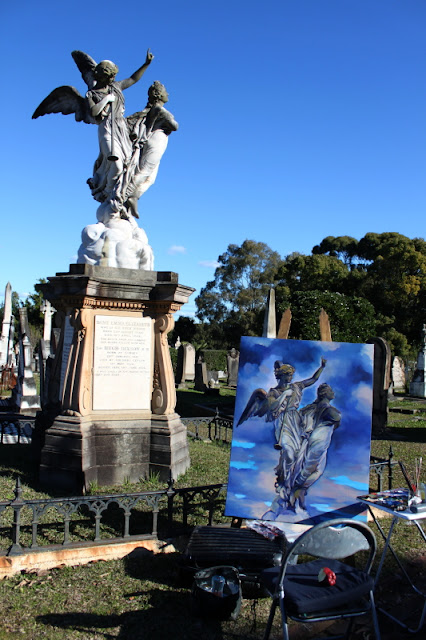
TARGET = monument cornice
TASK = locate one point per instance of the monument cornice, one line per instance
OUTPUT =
(93, 286)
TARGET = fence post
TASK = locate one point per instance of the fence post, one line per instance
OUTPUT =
(390, 473)
(17, 505)
(170, 493)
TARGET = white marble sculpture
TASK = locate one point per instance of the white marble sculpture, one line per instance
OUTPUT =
(130, 150)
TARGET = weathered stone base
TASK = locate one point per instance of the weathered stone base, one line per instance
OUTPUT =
(169, 447)
(79, 451)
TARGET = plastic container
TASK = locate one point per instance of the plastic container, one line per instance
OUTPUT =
(218, 582)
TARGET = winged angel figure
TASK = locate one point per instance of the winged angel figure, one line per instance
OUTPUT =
(120, 171)
(130, 150)
(280, 405)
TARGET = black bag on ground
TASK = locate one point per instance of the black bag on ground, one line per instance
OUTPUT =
(216, 593)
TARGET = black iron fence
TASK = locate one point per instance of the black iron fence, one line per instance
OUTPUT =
(53, 523)
(16, 429)
(218, 428)
(382, 467)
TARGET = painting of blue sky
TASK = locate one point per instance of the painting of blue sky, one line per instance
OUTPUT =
(329, 462)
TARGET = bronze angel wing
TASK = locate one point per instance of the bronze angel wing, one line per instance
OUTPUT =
(65, 100)
(256, 406)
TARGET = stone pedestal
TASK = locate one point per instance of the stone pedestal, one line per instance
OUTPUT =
(111, 384)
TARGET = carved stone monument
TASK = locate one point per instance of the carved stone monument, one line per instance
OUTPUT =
(112, 379)
(110, 403)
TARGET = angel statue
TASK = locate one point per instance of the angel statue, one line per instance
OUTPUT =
(129, 154)
(280, 405)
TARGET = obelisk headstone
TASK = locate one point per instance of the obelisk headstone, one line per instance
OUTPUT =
(6, 347)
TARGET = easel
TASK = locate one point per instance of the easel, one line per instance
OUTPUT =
(324, 324)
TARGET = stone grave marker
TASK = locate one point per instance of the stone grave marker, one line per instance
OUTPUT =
(233, 360)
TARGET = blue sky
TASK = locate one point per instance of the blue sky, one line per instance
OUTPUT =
(298, 119)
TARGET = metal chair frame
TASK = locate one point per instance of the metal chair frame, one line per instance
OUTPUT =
(333, 539)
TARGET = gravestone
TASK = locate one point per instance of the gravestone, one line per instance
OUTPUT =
(269, 321)
(46, 349)
(185, 368)
(27, 399)
(112, 379)
(418, 383)
(381, 383)
(233, 360)
(201, 378)
(6, 338)
(398, 374)
(48, 311)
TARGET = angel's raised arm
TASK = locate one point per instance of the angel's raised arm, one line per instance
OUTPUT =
(137, 75)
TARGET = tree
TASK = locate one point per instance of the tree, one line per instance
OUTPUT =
(352, 319)
(386, 269)
(342, 247)
(235, 299)
(306, 273)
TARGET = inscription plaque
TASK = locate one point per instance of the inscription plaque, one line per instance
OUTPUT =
(122, 363)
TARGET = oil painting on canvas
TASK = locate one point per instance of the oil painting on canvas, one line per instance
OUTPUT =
(302, 430)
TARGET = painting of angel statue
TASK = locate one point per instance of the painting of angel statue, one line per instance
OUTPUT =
(302, 430)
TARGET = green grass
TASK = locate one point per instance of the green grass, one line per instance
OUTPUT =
(141, 596)
(197, 403)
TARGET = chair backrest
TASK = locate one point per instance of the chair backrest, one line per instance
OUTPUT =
(336, 539)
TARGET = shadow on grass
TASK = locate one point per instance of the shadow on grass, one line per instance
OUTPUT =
(192, 403)
(163, 614)
(406, 434)
(17, 460)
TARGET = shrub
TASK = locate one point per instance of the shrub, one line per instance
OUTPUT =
(215, 359)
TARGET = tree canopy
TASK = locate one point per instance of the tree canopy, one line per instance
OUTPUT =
(232, 304)
(375, 286)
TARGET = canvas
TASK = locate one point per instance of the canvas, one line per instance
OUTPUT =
(302, 430)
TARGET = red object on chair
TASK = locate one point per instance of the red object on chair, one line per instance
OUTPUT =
(327, 576)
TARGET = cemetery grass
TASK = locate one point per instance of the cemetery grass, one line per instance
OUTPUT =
(142, 596)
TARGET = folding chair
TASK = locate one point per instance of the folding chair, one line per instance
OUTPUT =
(296, 588)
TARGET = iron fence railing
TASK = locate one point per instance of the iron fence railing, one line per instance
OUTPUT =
(16, 429)
(381, 466)
(52, 523)
(217, 428)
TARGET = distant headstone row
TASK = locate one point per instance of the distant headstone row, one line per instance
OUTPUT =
(192, 370)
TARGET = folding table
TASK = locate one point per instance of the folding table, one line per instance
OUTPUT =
(407, 517)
